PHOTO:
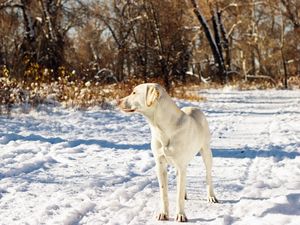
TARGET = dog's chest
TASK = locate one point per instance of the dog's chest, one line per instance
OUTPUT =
(167, 148)
(161, 136)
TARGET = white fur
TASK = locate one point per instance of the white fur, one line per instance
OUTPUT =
(177, 136)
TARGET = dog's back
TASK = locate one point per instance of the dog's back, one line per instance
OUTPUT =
(200, 121)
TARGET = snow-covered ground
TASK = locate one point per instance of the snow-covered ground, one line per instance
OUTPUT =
(60, 166)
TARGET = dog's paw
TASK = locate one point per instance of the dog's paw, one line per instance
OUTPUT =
(212, 199)
(162, 217)
(181, 218)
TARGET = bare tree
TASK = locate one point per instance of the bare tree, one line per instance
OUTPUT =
(214, 42)
(164, 40)
(44, 36)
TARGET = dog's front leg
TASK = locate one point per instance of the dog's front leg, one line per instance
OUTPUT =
(181, 178)
(161, 169)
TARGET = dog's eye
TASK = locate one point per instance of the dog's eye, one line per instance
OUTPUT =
(133, 92)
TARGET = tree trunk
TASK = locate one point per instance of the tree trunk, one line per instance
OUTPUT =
(165, 72)
(212, 43)
(282, 42)
(120, 65)
(226, 45)
(217, 32)
(145, 61)
(284, 69)
(161, 51)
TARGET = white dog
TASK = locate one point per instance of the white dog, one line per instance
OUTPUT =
(177, 136)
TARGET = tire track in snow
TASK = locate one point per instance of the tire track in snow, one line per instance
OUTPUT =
(249, 179)
(234, 193)
(239, 125)
(259, 179)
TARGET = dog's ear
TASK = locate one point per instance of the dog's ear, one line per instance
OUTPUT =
(152, 94)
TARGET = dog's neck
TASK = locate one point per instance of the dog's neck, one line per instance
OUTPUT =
(159, 119)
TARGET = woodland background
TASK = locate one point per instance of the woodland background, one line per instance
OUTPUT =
(71, 49)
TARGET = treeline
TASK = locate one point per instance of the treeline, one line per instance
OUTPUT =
(109, 41)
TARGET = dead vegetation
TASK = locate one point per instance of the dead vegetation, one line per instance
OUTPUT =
(120, 41)
(77, 93)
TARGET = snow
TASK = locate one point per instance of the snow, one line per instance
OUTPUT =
(64, 166)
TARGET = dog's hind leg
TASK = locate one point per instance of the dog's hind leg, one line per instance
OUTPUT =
(207, 159)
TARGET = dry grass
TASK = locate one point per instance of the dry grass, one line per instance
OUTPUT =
(294, 82)
(180, 91)
(187, 92)
(84, 94)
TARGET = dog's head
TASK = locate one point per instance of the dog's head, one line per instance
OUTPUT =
(142, 99)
